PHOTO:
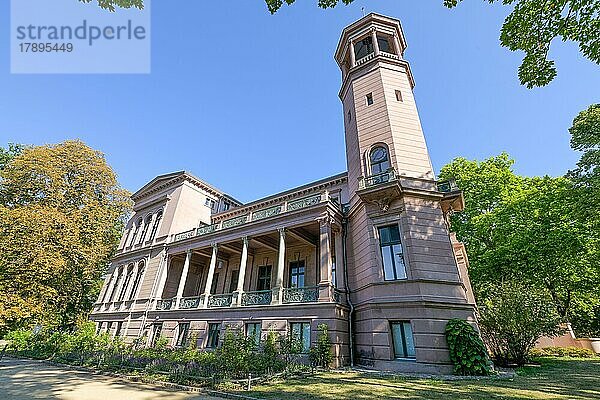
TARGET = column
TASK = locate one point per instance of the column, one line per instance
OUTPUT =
(397, 44)
(163, 278)
(183, 278)
(237, 295)
(211, 273)
(340, 267)
(352, 55)
(278, 289)
(375, 43)
(325, 286)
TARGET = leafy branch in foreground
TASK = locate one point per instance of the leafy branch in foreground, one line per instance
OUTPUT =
(111, 5)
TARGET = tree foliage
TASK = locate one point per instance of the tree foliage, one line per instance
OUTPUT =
(585, 137)
(7, 154)
(112, 5)
(61, 214)
(530, 230)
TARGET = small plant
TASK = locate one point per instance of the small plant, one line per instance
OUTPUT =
(467, 351)
(574, 352)
(321, 355)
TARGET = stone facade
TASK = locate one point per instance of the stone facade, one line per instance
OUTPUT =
(367, 252)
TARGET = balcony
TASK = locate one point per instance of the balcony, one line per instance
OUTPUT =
(377, 179)
(448, 186)
(252, 213)
(187, 303)
(165, 304)
(380, 189)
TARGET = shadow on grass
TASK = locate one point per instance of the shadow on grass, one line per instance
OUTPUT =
(554, 379)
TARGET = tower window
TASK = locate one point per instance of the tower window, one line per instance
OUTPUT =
(402, 338)
(398, 95)
(363, 48)
(380, 162)
(350, 116)
(370, 99)
(391, 253)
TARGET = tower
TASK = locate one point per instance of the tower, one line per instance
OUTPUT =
(404, 276)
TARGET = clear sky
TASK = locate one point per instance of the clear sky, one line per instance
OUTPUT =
(248, 101)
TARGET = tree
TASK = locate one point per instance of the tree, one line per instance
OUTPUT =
(61, 215)
(112, 5)
(585, 137)
(530, 230)
(6, 155)
(513, 318)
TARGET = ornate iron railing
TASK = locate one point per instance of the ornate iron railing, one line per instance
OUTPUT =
(266, 213)
(220, 300)
(187, 303)
(377, 179)
(203, 230)
(164, 304)
(185, 235)
(261, 297)
(447, 186)
(303, 203)
(339, 296)
(230, 223)
(301, 295)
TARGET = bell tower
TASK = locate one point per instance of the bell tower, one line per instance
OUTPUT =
(404, 277)
(383, 130)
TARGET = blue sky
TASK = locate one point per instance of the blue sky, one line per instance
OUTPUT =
(248, 101)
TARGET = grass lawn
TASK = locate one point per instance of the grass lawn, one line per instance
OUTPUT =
(555, 379)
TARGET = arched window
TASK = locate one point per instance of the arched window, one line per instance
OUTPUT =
(155, 226)
(147, 223)
(136, 231)
(108, 284)
(137, 281)
(115, 285)
(379, 159)
(129, 273)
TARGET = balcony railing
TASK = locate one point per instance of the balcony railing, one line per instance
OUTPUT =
(187, 303)
(261, 297)
(377, 179)
(220, 300)
(301, 295)
(251, 216)
(448, 186)
(164, 304)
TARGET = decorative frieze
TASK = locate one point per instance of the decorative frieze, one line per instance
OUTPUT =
(203, 230)
(230, 223)
(184, 235)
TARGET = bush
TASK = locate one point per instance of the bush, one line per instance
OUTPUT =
(321, 355)
(574, 352)
(467, 351)
(513, 318)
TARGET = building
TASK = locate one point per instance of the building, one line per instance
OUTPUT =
(367, 252)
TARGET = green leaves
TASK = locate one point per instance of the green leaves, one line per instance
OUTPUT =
(532, 25)
(467, 352)
(111, 5)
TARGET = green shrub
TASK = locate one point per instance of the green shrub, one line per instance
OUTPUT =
(467, 351)
(574, 352)
(321, 355)
(512, 319)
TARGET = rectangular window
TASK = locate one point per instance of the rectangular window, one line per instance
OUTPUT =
(391, 253)
(264, 277)
(300, 331)
(99, 327)
(402, 338)
(253, 331)
(398, 95)
(213, 335)
(182, 334)
(297, 274)
(156, 331)
(215, 282)
(370, 99)
(235, 275)
(108, 327)
(118, 330)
